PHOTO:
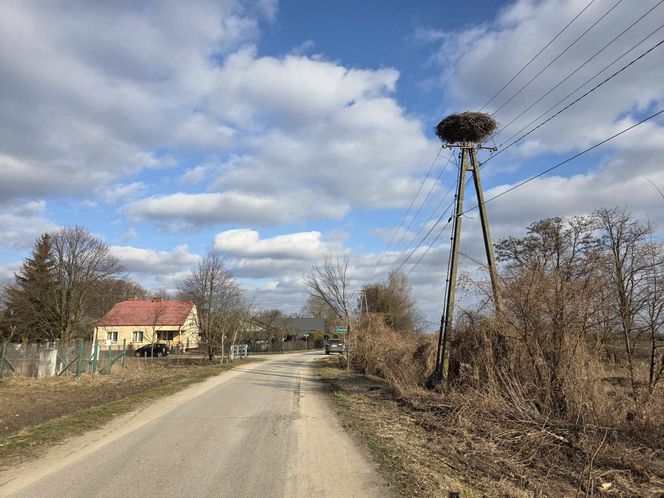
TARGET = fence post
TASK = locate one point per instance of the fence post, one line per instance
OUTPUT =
(110, 359)
(2, 358)
(79, 358)
(58, 360)
(95, 355)
(124, 351)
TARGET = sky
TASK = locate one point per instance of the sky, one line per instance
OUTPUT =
(278, 132)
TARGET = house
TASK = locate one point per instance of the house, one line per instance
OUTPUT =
(300, 328)
(138, 322)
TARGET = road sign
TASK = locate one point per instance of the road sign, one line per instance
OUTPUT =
(341, 330)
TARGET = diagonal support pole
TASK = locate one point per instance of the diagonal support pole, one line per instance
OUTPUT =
(488, 244)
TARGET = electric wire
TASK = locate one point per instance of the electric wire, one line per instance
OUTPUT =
(433, 227)
(574, 102)
(531, 178)
(640, 42)
(419, 209)
(569, 159)
(537, 55)
(449, 256)
(587, 61)
(389, 245)
(423, 226)
(523, 87)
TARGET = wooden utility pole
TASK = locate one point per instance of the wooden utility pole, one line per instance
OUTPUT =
(468, 155)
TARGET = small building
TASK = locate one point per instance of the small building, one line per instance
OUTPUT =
(138, 322)
(300, 328)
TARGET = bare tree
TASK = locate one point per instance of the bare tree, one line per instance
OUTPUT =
(216, 294)
(653, 313)
(239, 322)
(330, 283)
(81, 261)
(156, 314)
(272, 322)
(317, 308)
(623, 241)
(7, 321)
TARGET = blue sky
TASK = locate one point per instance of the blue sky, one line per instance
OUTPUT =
(278, 132)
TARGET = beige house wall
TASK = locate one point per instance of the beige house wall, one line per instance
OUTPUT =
(187, 334)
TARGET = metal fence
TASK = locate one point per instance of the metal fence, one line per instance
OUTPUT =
(45, 359)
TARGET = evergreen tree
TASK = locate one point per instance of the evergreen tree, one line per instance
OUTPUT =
(31, 301)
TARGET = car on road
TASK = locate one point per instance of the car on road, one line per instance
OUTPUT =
(334, 346)
(157, 349)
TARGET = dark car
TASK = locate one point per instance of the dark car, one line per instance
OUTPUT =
(152, 350)
(334, 346)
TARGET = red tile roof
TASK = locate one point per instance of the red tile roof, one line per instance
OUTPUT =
(144, 313)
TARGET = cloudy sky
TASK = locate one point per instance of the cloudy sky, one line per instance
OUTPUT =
(276, 132)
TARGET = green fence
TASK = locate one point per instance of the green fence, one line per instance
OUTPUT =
(70, 358)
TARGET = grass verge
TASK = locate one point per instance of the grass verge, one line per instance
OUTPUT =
(397, 443)
(424, 453)
(416, 459)
(30, 441)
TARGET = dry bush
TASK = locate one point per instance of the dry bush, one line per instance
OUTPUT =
(404, 359)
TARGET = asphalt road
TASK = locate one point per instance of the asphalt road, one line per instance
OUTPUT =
(263, 430)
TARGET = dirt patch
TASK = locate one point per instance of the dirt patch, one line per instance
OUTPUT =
(424, 453)
(26, 402)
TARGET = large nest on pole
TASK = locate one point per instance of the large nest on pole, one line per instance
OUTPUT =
(466, 127)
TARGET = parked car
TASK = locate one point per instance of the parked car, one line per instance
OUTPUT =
(157, 349)
(334, 346)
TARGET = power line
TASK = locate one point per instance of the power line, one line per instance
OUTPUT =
(520, 184)
(433, 242)
(586, 82)
(537, 55)
(581, 66)
(575, 101)
(433, 186)
(557, 57)
(440, 218)
(569, 159)
(380, 258)
(528, 180)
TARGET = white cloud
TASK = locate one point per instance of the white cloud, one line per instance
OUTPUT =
(281, 138)
(7, 271)
(107, 87)
(114, 194)
(23, 224)
(155, 263)
(234, 206)
(478, 68)
(245, 242)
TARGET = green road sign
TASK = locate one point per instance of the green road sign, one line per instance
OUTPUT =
(341, 330)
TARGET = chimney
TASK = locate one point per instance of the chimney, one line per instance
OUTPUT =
(156, 299)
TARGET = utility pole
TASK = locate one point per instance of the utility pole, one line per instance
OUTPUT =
(468, 163)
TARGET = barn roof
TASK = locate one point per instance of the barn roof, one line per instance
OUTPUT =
(147, 313)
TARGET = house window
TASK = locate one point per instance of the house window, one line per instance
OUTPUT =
(137, 336)
(112, 336)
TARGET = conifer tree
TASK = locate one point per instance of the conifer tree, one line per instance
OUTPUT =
(31, 299)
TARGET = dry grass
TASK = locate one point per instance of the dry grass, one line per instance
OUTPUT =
(504, 427)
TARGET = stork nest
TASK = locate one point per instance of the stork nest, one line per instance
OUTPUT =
(466, 127)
